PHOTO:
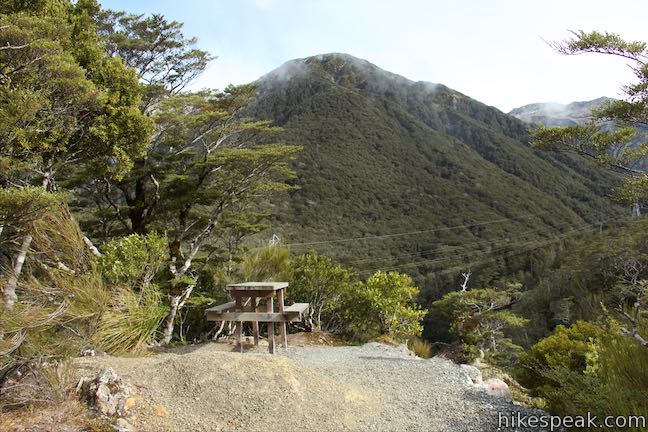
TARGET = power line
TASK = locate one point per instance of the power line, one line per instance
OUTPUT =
(350, 239)
(450, 249)
(486, 253)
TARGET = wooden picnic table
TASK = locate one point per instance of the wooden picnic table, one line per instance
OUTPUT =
(255, 292)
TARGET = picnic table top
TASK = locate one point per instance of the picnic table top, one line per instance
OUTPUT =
(257, 286)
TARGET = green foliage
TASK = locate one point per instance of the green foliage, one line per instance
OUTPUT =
(165, 60)
(480, 319)
(384, 304)
(326, 285)
(130, 264)
(265, 264)
(573, 348)
(20, 207)
(598, 269)
(134, 259)
(63, 98)
(614, 382)
(133, 321)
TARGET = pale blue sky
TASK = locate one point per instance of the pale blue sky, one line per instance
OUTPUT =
(492, 50)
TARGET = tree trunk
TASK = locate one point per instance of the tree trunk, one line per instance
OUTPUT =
(176, 302)
(170, 319)
(9, 290)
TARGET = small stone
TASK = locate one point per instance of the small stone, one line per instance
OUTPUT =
(122, 425)
(106, 392)
(496, 387)
(161, 411)
(130, 403)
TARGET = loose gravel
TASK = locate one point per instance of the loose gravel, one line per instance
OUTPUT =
(373, 387)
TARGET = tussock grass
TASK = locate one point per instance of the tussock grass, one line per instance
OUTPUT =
(420, 347)
(133, 322)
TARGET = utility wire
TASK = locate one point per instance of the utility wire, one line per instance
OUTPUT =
(451, 249)
(486, 253)
(351, 239)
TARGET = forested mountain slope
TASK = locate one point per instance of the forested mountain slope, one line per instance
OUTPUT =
(385, 155)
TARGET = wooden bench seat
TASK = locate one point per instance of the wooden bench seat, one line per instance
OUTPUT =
(225, 312)
(299, 308)
(222, 307)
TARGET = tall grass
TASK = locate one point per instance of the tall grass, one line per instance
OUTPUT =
(60, 299)
(133, 322)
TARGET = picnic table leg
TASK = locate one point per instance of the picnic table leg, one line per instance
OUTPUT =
(239, 324)
(282, 328)
(270, 308)
(255, 324)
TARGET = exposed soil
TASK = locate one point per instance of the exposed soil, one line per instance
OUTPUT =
(374, 387)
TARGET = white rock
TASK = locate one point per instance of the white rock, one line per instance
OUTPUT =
(473, 374)
(497, 387)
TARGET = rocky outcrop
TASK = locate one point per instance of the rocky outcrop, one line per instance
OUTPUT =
(107, 393)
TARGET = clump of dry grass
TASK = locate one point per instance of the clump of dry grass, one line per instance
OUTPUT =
(420, 347)
(69, 415)
(38, 382)
(61, 297)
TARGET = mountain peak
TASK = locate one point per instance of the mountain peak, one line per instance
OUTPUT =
(339, 68)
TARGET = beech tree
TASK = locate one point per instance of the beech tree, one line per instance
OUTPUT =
(205, 160)
(64, 101)
(480, 318)
(609, 146)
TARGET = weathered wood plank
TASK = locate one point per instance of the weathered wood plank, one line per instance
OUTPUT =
(256, 293)
(239, 324)
(270, 310)
(266, 286)
(222, 307)
(255, 324)
(282, 325)
(297, 307)
(253, 316)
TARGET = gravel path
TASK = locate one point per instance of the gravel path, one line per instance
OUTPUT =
(373, 387)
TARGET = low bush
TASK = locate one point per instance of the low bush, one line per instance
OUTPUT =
(586, 368)
(568, 348)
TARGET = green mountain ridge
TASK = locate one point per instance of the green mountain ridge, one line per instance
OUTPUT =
(385, 155)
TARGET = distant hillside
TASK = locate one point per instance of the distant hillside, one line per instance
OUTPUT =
(554, 114)
(575, 113)
(384, 155)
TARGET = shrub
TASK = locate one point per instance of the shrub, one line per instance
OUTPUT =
(569, 348)
(617, 386)
(384, 304)
(133, 260)
(323, 283)
(479, 319)
(61, 298)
